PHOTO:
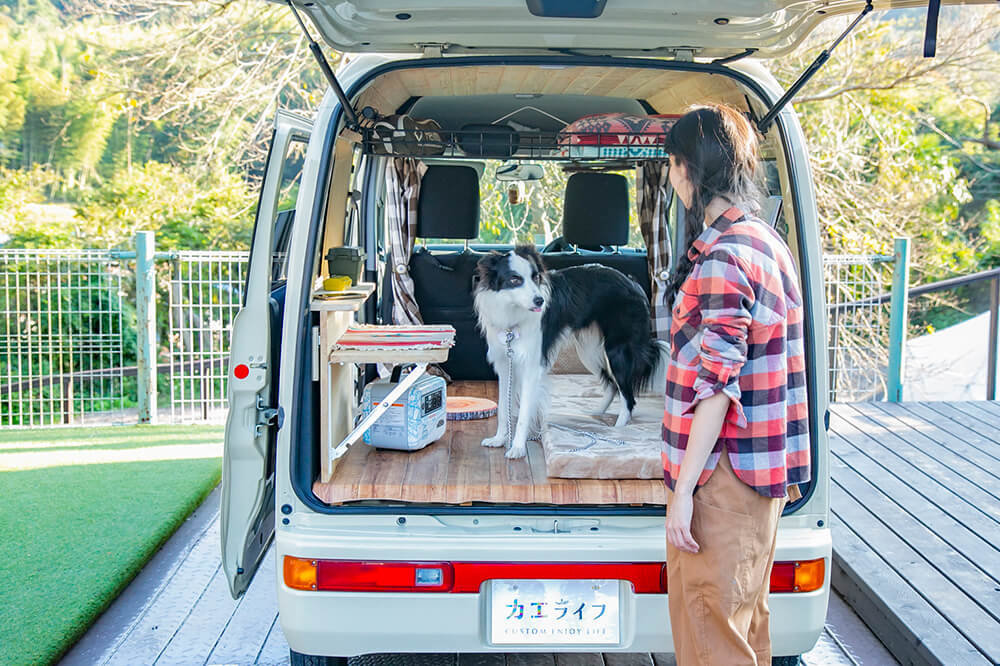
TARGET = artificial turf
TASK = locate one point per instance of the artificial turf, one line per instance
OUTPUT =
(82, 511)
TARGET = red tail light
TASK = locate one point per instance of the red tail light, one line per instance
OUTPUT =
(805, 576)
(468, 577)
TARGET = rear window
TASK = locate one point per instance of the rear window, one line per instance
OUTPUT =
(530, 211)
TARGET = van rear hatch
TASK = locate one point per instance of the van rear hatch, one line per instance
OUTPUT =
(620, 27)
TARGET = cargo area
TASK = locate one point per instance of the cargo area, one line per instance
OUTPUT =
(457, 469)
(445, 167)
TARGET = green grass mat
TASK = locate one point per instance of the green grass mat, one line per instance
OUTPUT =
(82, 511)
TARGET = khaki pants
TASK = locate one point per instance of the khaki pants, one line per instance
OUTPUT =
(718, 597)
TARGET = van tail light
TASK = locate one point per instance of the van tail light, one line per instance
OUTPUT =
(804, 576)
(355, 576)
(468, 577)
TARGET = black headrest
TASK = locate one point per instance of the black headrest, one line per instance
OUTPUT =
(595, 209)
(449, 203)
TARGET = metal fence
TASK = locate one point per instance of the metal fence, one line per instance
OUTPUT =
(858, 332)
(205, 294)
(69, 345)
(68, 341)
(62, 337)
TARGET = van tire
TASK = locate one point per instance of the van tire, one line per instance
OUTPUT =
(786, 661)
(299, 659)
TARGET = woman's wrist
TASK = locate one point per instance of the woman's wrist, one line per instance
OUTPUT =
(684, 488)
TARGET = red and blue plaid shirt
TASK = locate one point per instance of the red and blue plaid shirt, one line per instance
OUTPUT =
(736, 327)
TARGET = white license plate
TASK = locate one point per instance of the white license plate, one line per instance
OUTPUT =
(554, 612)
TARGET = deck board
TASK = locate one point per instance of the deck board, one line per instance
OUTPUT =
(916, 521)
(967, 543)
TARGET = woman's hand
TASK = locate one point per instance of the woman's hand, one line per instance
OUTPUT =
(679, 513)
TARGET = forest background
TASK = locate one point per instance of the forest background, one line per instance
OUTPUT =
(117, 116)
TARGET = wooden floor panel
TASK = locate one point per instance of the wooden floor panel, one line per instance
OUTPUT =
(457, 469)
(916, 525)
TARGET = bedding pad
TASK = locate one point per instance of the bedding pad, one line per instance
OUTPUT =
(580, 445)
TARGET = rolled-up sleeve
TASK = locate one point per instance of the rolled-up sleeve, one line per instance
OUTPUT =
(725, 298)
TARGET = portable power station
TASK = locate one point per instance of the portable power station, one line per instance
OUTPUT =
(414, 420)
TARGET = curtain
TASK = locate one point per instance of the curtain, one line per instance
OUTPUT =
(653, 194)
(402, 193)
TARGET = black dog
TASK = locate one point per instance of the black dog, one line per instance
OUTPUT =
(526, 313)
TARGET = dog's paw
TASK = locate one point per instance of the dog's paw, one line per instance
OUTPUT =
(623, 419)
(495, 441)
(517, 452)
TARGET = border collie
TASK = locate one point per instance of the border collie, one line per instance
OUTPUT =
(526, 313)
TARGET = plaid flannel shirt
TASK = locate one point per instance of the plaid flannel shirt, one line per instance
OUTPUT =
(737, 328)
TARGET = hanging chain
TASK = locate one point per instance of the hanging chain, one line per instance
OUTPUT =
(510, 383)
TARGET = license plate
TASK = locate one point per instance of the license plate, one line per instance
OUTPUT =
(554, 612)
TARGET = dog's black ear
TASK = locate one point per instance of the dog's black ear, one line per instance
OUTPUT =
(529, 253)
(487, 266)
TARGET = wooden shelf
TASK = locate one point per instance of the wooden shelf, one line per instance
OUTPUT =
(392, 356)
(348, 300)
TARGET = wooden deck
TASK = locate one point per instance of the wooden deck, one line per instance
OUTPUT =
(178, 612)
(916, 526)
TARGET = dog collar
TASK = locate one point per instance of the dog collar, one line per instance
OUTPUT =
(510, 334)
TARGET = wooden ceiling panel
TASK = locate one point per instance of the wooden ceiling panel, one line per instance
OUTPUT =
(666, 91)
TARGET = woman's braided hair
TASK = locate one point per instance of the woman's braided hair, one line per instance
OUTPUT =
(718, 146)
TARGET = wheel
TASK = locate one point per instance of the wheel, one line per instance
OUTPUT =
(786, 661)
(299, 659)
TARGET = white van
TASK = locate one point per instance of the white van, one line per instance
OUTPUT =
(411, 552)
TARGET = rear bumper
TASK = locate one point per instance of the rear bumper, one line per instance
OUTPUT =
(352, 623)
(342, 624)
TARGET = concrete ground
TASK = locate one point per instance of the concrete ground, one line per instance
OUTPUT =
(178, 611)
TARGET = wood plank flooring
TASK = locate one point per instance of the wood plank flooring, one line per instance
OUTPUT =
(457, 470)
(916, 529)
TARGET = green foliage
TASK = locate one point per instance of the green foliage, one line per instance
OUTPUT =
(886, 130)
(185, 213)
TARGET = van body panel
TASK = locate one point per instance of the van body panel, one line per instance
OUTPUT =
(347, 624)
(624, 27)
(354, 623)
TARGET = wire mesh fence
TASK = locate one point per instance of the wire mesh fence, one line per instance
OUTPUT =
(62, 338)
(68, 333)
(858, 330)
(205, 294)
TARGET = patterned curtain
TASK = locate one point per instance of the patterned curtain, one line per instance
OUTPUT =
(402, 193)
(653, 194)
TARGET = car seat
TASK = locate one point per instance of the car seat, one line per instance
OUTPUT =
(449, 209)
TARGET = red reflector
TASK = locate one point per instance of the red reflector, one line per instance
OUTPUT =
(241, 371)
(646, 577)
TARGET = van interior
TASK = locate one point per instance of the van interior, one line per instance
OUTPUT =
(491, 120)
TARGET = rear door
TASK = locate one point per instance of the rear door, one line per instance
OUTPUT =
(678, 28)
(254, 416)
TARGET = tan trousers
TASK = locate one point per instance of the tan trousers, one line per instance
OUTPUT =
(718, 597)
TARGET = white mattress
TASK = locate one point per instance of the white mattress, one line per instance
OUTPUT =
(579, 445)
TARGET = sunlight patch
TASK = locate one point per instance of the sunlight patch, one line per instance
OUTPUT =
(42, 459)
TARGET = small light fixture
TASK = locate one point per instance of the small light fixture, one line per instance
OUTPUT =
(721, 21)
(403, 16)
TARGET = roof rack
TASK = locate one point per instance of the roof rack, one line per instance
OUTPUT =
(503, 142)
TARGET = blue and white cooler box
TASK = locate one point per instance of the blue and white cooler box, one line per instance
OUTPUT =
(414, 420)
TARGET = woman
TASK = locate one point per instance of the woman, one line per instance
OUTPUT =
(735, 386)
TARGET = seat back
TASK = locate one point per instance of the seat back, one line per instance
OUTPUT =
(442, 281)
(595, 215)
